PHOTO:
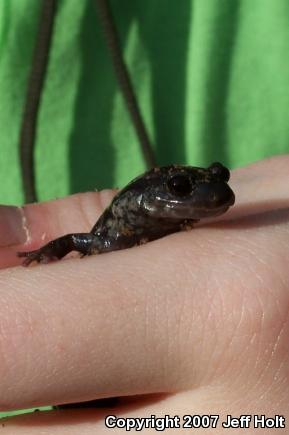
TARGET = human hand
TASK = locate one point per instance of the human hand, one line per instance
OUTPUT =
(195, 323)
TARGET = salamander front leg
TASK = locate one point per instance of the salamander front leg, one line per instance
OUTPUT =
(86, 243)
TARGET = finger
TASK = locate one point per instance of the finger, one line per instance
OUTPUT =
(28, 227)
(144, 320)
(259, 187)
(144, 280)
(212, 407)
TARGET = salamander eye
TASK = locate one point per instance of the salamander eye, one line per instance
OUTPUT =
(180, 185)
(220, 171)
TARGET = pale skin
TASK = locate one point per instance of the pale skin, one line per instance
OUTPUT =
(197, 322)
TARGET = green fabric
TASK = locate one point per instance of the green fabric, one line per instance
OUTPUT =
(211, 78)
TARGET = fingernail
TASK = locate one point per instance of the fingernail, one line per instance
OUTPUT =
(13, 229)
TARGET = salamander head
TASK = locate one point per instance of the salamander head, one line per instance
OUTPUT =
(184, 192)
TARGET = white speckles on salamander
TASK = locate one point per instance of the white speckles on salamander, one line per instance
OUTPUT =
(160, 202)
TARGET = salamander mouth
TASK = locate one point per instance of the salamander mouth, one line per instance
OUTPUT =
(216, 207)
(205, 213)
(188, 212)
(212, 203)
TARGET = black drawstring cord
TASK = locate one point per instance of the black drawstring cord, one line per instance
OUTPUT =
(112, 40)
(36, 82)
(33, 96)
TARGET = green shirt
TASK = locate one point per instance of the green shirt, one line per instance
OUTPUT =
(211, 77)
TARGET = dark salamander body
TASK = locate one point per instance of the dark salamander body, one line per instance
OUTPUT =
(160, 202)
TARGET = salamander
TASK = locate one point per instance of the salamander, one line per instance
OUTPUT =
(162, 201)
